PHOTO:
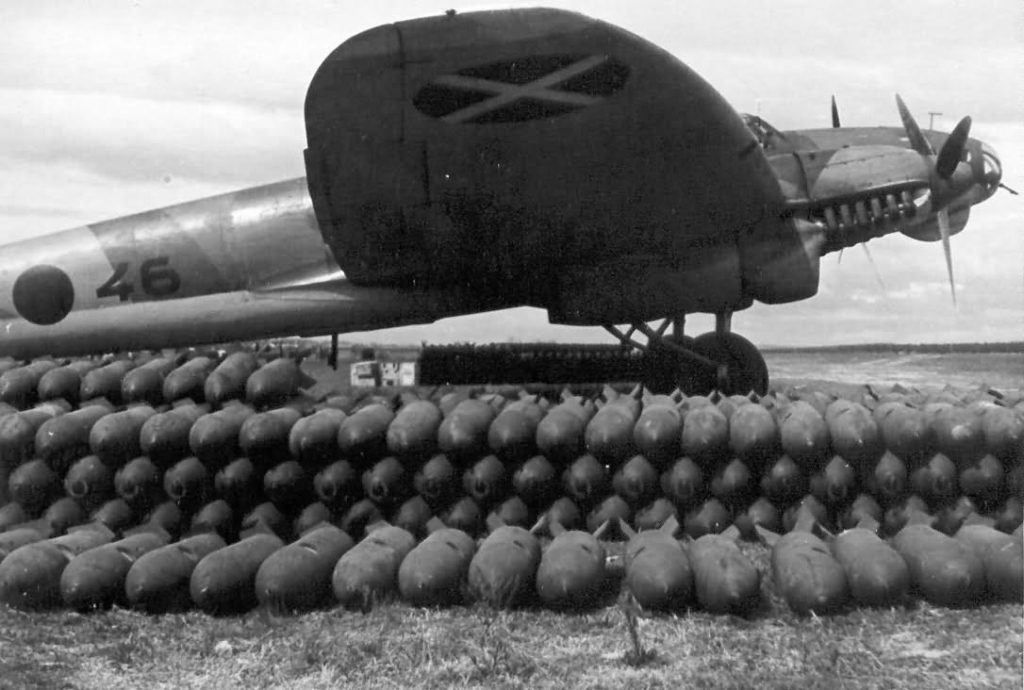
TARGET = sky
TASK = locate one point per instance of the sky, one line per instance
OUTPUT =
(114, 107)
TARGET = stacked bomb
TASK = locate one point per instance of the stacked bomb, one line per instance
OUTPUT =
(252, 460)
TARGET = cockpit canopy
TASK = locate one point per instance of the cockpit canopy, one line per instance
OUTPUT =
(766, 135)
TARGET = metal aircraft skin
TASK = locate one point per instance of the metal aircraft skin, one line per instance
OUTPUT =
(486, 160)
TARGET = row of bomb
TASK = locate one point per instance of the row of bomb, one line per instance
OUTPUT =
(153, 379)
(812, 570)
(706, 497)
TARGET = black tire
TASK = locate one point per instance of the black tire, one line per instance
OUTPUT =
(665, 369)
(747, 370)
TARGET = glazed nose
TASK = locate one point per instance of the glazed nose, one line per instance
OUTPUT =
(992, 169)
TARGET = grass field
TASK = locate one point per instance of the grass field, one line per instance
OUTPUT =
(397, 646)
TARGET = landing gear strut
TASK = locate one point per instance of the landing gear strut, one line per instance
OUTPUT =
(720, 360)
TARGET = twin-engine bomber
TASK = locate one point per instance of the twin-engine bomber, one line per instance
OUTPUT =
(480, 161)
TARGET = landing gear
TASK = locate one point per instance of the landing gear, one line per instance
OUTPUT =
(741, 368)
(720, 360)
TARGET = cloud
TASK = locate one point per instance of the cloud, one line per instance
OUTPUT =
(132, 138)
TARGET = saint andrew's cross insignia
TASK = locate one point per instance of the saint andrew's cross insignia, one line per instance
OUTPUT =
(535, 87)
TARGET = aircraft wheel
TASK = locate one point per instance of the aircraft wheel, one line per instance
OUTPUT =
(665, 369)
(745, 369)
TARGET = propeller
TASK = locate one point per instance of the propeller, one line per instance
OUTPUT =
(874, 266)
(835, 114)
(944, 165)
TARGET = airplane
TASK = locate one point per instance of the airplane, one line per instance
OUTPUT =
(477, 161)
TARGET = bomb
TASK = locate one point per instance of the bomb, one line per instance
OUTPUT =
(338, 484)
(275, 383)
(586, 481)
(264, 436)
(732, 482)
(753, 435)
(30, 575)
(368, 572)
(20, 386)
(560, 434)
(139, 483)
(16, 538)
(725, 581)
(188, 380)
(224, 581)
(959, 435)
(188, 483)
(512, 436)
(463, 434)
(536, 481)
(164, 437)
(95, 578)
(835, 483)
(115, 437)
(413, 516)
(262, 519)
(62, 440)
(486, 481)
(636, 481)
(298, 576)
(288, 485)
(655, 514)
(609, 433)
(684, 483)
(63, 382)
(571, 572)
(810, 579)
(854, 432)
(905, 431)
(412, 435)
(503, 570)
(658, 573)
(311, 517)
(227, 380)
(362, 436)
(710, 517)
(436, 481)
(943, 570)
(877, 575)
(145, 383)
(803, 434)
(1002, 556)
(435, 571)
(313, 440)
(705, 436)
(386, 483)
(213, 438)
(658, 430)
(105, 381)
(1003, 430)
(886, 480)
(33, 485)
(158, 581)
(216, 516)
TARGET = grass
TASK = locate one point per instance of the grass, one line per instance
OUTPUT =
(614, 646)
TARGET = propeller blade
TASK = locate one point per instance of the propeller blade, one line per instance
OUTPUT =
(917, 140)
(835, 114)
(874, 267)
(953, 150)
(943, 217)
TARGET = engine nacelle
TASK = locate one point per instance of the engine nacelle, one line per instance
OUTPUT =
(522, 152)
